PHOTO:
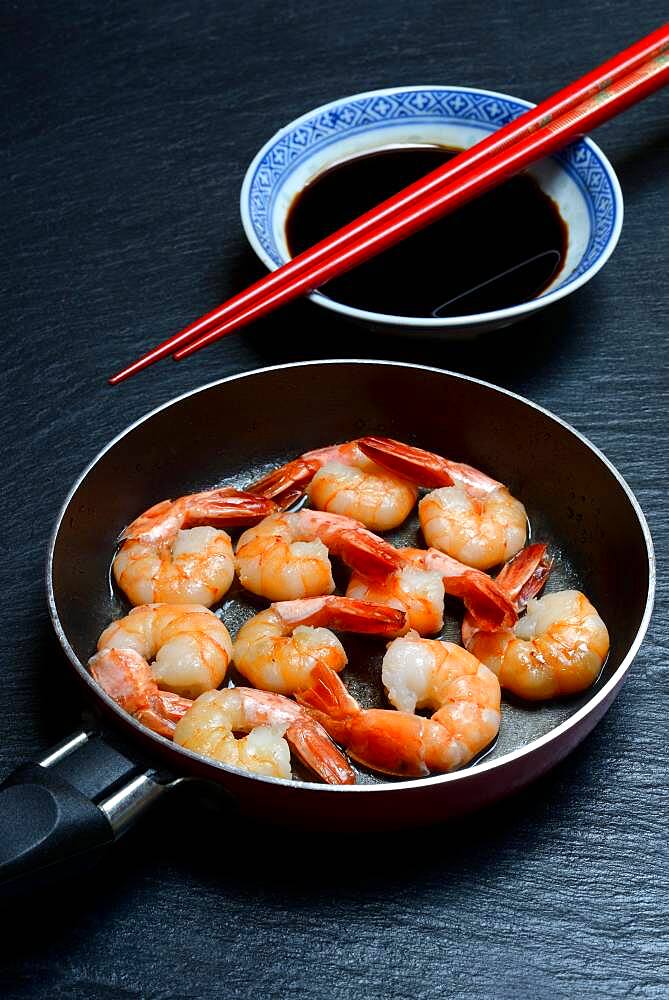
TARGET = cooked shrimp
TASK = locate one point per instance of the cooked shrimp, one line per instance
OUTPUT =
(467, 719)
(558, 648)
(469, 516)
(209, 726)
(189, 646)
(127, 678)
(417, 587)
(481, 531)
(286, 555)
(175, 553)
(342, 480)
(410, 588)
(277, 649)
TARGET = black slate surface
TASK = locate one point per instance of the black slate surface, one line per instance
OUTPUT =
(127, 131)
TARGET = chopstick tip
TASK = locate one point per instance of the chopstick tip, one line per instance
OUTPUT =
(124, 373)
(191, 348)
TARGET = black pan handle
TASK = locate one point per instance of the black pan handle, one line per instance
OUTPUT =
(58, 813)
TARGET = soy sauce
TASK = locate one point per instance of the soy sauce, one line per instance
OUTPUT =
(502, 249)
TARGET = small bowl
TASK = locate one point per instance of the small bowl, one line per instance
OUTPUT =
(579, 179)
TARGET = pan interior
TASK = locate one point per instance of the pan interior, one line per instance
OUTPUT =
(234, 431)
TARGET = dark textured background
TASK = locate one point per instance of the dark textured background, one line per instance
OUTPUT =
(128, 129)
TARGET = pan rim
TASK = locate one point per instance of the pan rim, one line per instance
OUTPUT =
(477, 770)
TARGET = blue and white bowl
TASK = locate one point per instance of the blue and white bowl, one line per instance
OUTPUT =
(580, 180)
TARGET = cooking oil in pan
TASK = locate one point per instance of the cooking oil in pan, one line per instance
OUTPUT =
(522, 722)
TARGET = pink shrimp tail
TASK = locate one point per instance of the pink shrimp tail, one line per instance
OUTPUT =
(225, 507)
(425, 467)
(521, 579)
(416, 464)
(385, 740)
(327, 697)
(365, 552)
(287, 484)
(359, 548)
(524, 575)
(153, 719)
(159, 523)
(173, 706)
(331, 453)
(487, 602)
(290, 481)
(343, 613)
(126, 677)
(315, 749)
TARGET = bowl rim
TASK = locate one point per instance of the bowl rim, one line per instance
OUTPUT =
(427, 322)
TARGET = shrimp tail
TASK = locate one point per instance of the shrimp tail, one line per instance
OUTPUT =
(156, 722)
(126, 677)
(329, 703)
(327, 697)
(330, 453)
(217, 508)
(226, 507)
(366, 553)
(159, 523)
(487, 602)
(416, 464)
(173, 706)
(359, 548)
(523, 576)
(342, 613)
(424, 467)
(387, 741)
(287, 484)
(313, 746)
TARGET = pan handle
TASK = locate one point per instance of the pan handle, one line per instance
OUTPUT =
(58, 813)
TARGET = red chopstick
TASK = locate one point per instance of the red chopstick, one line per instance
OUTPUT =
(492, 171)
(606, 91)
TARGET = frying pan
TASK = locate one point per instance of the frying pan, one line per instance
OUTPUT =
(94, 785)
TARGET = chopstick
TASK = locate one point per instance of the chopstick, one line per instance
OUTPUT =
(599, 95)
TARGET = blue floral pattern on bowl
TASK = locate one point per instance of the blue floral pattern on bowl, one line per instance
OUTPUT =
(297, 143)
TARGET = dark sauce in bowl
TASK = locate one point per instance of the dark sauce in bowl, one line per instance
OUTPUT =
(502, 249)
